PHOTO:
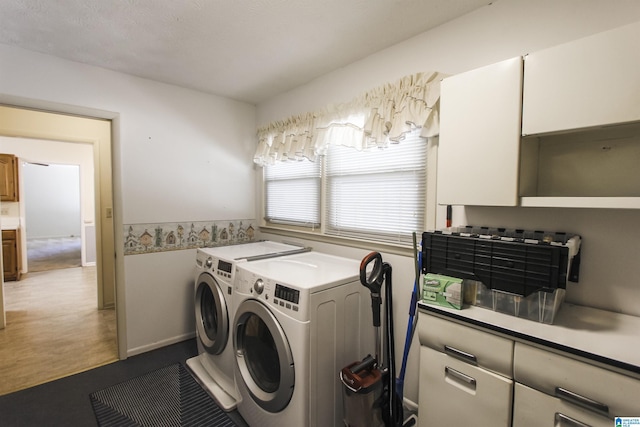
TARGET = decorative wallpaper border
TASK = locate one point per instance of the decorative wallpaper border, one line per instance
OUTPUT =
(174, 236)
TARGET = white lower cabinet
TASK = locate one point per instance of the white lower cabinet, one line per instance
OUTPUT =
(472, 376)
(570, 386)
(453, 392)
(532, 408)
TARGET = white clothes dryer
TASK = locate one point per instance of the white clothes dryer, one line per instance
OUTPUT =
(214, 275)
(299, 320)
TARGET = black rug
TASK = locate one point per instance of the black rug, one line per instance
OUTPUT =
(169, 396)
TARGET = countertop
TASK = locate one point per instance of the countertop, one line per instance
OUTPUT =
(10, 223)
(606, 337)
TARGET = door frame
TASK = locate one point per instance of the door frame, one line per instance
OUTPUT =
(95, 129)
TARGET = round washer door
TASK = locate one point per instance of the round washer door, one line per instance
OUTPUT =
(212, 317)
(263, 356)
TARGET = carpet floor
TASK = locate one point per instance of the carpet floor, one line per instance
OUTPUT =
(55, 253)
(66, 402)
(168, 397)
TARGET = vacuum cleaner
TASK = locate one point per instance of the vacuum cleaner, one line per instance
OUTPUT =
(369, 390)
(372, 395)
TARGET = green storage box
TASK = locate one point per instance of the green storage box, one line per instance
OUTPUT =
(442, 290)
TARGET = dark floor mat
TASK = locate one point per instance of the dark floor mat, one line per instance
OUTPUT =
(166, 397)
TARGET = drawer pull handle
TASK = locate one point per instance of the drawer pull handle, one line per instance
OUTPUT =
(461, 355)
(460, 376)
(579, 400)
(562, 420)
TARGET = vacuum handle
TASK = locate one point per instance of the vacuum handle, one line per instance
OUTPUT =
(376, 301)
(367, 362)
(372, 279)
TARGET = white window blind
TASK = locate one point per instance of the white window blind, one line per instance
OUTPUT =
(292, 192)
(377, 195)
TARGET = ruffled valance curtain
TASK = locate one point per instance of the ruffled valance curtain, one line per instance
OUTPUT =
(374, 119)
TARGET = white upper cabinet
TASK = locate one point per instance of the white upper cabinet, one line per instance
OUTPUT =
(562, 130)
(478, 151)
(593, 81)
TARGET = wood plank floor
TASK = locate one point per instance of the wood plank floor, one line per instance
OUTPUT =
(54, 328)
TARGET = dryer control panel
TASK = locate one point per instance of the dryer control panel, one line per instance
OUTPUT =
(278, 296)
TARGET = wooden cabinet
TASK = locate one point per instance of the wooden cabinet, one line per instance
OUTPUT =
(9, 177)
(577, 144)
(478, 150)
(11, 255)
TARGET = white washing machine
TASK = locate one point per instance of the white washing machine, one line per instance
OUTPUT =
(299, 320)
(215, 267)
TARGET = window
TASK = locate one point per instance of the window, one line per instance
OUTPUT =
(292, 192)
(377, 195)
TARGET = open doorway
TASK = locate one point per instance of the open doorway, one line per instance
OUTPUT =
(58, 288)
(53, 213)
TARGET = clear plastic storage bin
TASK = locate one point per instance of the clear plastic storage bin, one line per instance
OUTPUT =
(539, 306)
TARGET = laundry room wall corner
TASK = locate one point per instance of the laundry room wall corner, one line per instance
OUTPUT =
(178, 155)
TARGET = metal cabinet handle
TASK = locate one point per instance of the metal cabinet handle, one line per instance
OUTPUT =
(580, 400)
(461, 355)
(460, 376)
(563, 420)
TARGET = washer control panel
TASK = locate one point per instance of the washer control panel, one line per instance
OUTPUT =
(258, 286)
(287, 294)
(285, 298)
(216, 266)
(224, 269)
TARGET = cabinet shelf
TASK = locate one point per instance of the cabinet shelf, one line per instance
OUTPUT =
(582, 202)
(588, 168)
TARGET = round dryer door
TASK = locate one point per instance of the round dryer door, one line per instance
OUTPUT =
(212, 318)
(263, 356)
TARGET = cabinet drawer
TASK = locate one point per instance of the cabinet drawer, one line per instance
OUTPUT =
(8, 235)
(582, 384)
(455, 393)
(475, 347)
(532, 408)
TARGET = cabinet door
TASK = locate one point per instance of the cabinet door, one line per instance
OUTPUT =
(8, 178)
(9, 255)
(479, 147)
(589, 82)
(487, 350)
(576, 381)
(454, 393)
(532, 408)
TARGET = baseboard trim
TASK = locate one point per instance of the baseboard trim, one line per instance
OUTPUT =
(160, 344)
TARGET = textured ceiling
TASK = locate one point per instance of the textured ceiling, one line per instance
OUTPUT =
(247, 50)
